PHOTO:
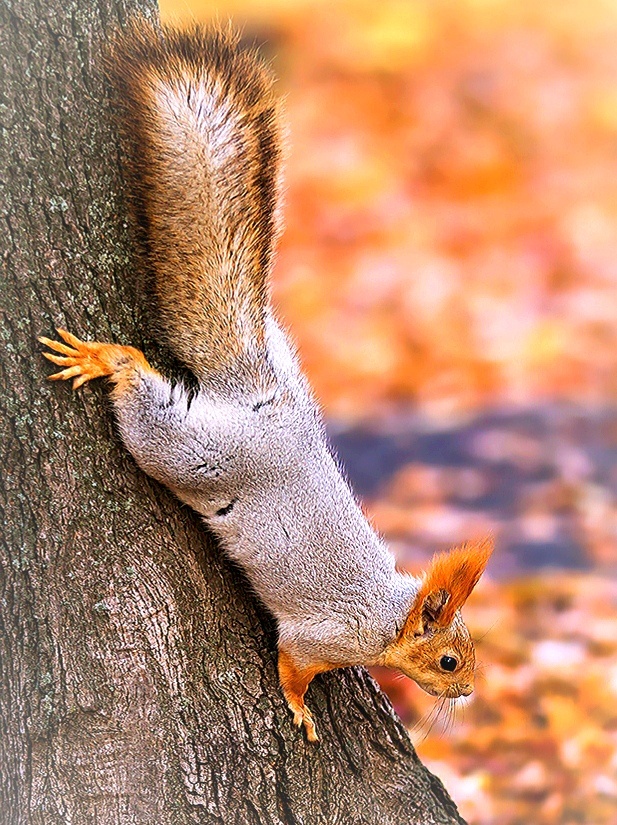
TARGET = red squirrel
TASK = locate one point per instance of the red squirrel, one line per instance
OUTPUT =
(248, 450)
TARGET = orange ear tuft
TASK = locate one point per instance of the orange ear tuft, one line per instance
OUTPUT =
(457, 572)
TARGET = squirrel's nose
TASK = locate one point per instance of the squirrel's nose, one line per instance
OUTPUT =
(466, 690)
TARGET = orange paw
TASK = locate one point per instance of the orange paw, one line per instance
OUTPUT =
(85, 360)
(302, 716)
(294, 682)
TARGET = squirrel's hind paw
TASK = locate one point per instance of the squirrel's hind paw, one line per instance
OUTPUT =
(80, 359)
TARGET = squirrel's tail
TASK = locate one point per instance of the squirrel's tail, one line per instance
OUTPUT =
(204, 135)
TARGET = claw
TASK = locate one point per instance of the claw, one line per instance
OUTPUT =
(67, 373)
(77, 382)
(70, 339)
(57, 346)
(61, 360)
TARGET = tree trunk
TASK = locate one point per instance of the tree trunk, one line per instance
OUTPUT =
(138, 679)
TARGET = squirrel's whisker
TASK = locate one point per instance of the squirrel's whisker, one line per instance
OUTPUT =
(426, 724)
(478, 639)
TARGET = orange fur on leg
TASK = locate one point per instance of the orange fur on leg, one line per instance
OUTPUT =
(294, 682)
(85, 360)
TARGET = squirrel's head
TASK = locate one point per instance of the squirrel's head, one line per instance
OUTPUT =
(434, 648)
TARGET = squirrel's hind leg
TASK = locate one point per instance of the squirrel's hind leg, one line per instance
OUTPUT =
(85, 360)
(295, 681)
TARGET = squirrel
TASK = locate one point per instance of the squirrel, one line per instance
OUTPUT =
(247, 450)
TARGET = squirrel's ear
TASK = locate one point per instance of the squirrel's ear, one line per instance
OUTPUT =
(448, 582)
(429, 611)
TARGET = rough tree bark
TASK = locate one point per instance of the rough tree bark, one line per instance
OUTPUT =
(137, 672)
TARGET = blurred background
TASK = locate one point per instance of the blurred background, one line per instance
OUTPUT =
(449, 273)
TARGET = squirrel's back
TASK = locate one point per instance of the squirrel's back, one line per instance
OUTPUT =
(204, 138)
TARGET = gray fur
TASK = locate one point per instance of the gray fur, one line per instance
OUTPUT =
(294, 525)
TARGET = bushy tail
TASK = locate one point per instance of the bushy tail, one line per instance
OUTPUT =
(203, 129)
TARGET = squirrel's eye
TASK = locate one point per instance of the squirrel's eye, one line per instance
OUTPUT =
(448, 663)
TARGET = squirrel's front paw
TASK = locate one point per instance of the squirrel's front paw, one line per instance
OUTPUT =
(302, 716)
(294, 681)
(85, 360)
